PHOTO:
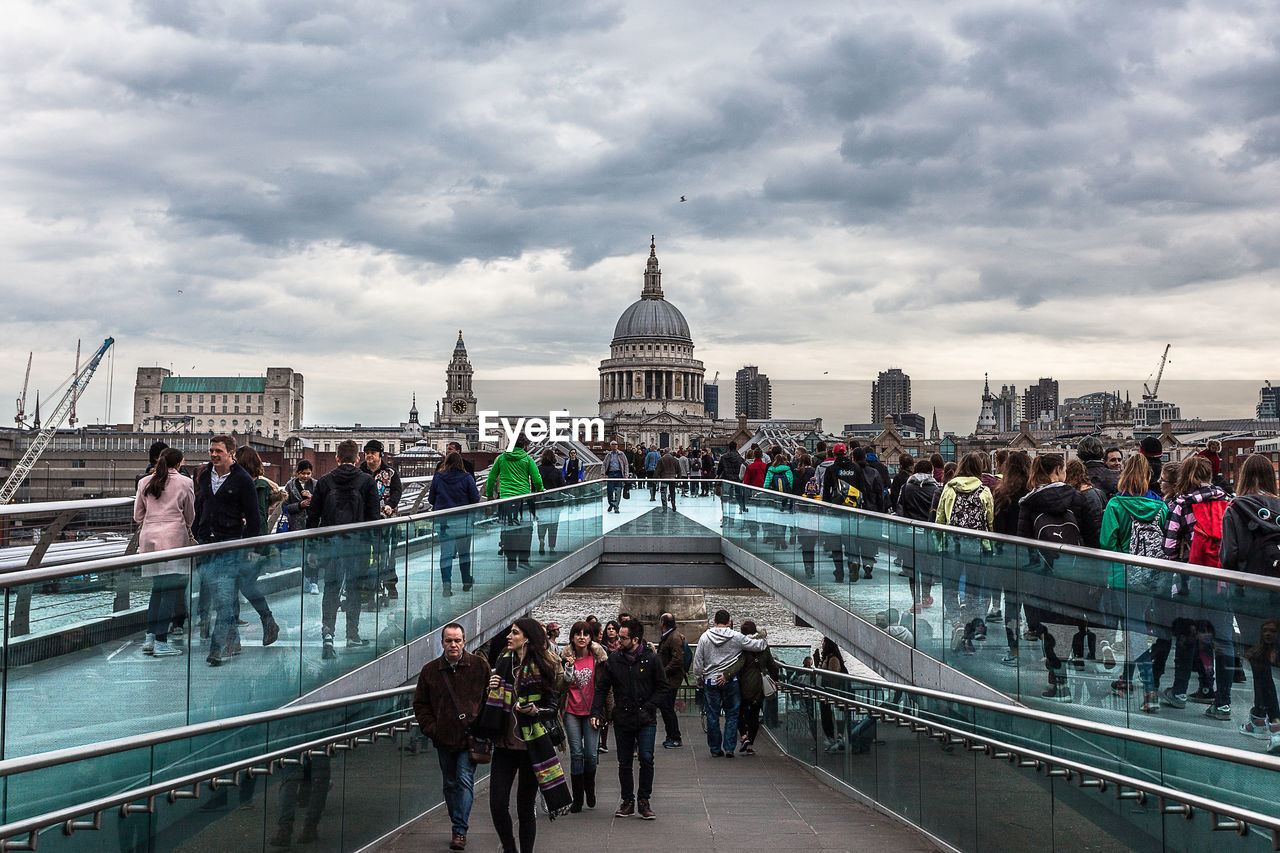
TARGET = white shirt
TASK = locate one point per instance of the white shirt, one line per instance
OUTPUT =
(216, 481)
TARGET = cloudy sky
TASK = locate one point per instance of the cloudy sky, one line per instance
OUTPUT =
(1030, 189)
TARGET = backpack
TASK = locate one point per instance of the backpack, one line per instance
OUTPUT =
(1146, 539)
(848, 494)
(968, 511)
(1058, 528)
(1263, 557)
(688, 654)
(780, 481)
(346, 506)
(1206, 536)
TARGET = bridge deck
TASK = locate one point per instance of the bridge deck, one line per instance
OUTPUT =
(765, 802)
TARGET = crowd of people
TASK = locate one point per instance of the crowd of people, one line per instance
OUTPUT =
(531, 702)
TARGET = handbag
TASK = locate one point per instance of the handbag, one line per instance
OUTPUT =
(480, 749)
(768, 685)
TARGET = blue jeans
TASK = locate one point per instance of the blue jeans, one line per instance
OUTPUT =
(455, 539)
(459, 785)
(626, 743)
(724, 697)
(219, 575)
(584, 743)
(614, 491)
(165, 590)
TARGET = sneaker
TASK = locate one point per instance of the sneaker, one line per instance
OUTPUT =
(645, 812)
(149, 644)
(458, 842)
(1009, 660)
(327, 651)
(164, 650)
(627, 809)
(1120, 687)
(1274, 731)
(717, 755)
(827, 743)
(728, 753)
(270, 631)
(1219, 712)
(748, 749)
(838, 746)
(448, 590)
(671, 744)
(313, 588)
(1173, 700)
(603, 748)
(177, 631)
(1108, 656)
(1204, 696)
(1255, 727)
(214, 659)
(1151, 702)
(355, 642)
(1058, 693)
(466, 587)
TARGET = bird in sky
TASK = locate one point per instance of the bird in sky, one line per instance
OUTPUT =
(682, 198)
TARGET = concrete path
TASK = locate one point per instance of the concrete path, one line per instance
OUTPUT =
(765, 802)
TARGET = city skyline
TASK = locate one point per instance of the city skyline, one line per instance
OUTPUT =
(221, 189)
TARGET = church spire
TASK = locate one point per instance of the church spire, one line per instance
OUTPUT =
(652, 275)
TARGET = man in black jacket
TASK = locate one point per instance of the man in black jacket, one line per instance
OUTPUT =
(844, 480)
(639, 683)
(226, 510)
(730, 468)
(387, 480)
(346, 495)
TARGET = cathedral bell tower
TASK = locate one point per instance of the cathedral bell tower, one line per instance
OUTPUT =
(458, 407)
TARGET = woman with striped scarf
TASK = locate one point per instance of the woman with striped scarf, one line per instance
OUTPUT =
(519, 714)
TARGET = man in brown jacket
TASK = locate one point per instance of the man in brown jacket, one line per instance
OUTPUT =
(450, 691)
(668, 469)
(671, 653)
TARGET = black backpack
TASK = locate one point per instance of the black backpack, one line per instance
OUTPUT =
(1263, 557)
(1058, 528)
(346, 505)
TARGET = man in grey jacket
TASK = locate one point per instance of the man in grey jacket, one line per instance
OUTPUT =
(718, 649)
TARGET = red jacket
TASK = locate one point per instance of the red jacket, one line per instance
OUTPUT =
(755, 473)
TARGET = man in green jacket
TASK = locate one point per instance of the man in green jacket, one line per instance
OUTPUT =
(513, 474)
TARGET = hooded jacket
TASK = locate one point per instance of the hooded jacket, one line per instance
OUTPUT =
(344, 477)
(1057, 498)
(842, 469)
(1182, 519)
(1243, 523)
(962, 486)
(1103, 478)
(516, 469)
(718, 649)
(916, 496)
(730, 466)
(1117, 525)
(783, 471)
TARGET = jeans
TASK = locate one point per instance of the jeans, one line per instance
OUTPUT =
(165, 590)
(348, 566)
(507, 765)
(627, 742)
(724, 697)
(613, 490)
(308, 785)
(669, 493)
(1218, 634)
(584, 743)
(459, 785)
(218, 575)
(1265, 703)
(749, 718)
(455, 541)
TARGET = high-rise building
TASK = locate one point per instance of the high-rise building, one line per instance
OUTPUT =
(245, 405)
(1269, 401)
(1008, 409)
(1040, 403)
(890, 395)
(753, 396)
(987, 416)
(711, 400)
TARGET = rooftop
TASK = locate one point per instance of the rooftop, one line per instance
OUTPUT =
(214, 385)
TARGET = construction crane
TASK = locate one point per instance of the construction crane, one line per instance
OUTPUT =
(71, 419)
(717, 379)
(21, 419)
(79, 381)
(1153, 391)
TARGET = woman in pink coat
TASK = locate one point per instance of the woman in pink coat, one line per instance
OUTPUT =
(165, 507)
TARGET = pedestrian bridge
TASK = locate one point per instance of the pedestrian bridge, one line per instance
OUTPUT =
(965, 747)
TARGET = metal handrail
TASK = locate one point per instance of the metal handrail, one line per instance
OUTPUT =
(1172, 801)
(55, 507)
(1224, 575)
(1261, 760)
(12, 579)
(188, 787)
(68, 755)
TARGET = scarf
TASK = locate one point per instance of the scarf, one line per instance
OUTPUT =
(518, 684)
(632, 656)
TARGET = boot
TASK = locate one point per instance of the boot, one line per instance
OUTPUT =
(589, 786)
(575, 782)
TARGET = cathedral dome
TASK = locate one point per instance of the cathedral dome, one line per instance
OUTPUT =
(652, 318)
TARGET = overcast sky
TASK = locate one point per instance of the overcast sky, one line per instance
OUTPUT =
(1026, 189)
